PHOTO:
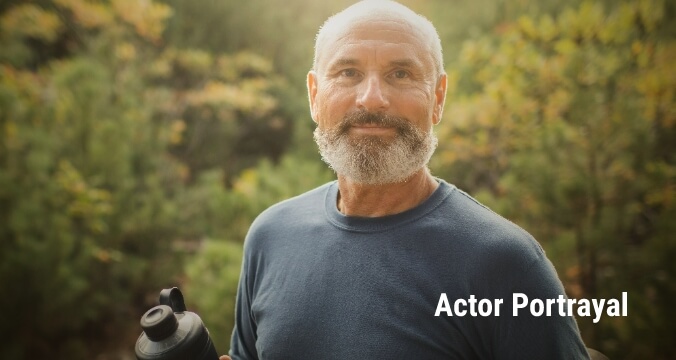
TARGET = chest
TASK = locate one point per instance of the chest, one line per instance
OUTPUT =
(337, 299)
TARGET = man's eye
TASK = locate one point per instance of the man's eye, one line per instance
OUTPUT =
(400, 74)
(349, 73)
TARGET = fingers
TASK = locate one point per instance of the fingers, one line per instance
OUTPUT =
(224, 357)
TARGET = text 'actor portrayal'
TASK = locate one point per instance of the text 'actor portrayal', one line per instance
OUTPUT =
(356, 268)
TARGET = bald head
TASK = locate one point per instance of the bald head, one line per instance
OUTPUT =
(369, 10)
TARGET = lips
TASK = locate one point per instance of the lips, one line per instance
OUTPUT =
(370, 126)
(371, 129)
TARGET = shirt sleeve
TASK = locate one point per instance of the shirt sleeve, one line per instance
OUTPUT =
(243, 341)
(526, 336)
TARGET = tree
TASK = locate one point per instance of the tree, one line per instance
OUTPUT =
(566, 125)
(96, 115)
(81, 193)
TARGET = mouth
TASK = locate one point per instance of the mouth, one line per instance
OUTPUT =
(372, 129)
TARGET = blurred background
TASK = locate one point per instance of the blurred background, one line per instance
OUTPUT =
(140, 138)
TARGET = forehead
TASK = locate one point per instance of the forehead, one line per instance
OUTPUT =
(386, 39)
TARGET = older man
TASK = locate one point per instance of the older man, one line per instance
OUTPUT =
(389, 262)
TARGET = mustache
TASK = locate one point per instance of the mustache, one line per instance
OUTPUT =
(363, 117)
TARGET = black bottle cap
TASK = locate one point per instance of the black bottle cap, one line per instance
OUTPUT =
(159, 322)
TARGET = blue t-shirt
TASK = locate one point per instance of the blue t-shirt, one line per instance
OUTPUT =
(317, 284)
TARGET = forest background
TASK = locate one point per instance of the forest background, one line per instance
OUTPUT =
(139, 139)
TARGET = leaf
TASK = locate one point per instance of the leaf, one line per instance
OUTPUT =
(28, 20)
(147, 17)
(88, 14)
(566, 47)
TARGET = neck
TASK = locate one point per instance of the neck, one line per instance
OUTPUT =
(355, 199)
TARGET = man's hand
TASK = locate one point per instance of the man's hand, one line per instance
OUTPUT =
(224, 357)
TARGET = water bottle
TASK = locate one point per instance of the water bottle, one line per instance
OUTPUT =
(170, 332)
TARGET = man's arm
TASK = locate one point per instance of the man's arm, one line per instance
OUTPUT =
(243, 341)
(526, 336)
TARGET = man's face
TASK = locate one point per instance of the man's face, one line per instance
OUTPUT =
(375, 94)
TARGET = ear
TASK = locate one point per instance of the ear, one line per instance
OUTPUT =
(439, 98)
(312, 93)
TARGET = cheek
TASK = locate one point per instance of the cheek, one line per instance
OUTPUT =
(417, 106)
(331, 105)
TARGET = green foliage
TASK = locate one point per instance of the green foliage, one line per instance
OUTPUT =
(223, 109)
(97, 120)
(212, 288)
(562, 125)
(82, 201)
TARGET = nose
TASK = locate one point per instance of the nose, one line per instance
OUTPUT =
(371, 96)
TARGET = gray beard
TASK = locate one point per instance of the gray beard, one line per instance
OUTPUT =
(372, 160)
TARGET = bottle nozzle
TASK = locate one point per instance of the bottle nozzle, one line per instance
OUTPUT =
(159, 322)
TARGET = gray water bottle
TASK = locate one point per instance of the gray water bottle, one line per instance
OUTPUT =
(170, 332)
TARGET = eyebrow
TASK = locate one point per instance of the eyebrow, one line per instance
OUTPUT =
(404, 63)
(344, 62)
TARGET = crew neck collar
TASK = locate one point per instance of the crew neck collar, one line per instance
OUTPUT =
(382, 223)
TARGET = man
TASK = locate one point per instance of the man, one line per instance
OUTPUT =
(358, 268)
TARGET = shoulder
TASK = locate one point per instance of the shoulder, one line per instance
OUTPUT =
(486, 225)
(301, 208)
(498, 244)
(304, 204)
